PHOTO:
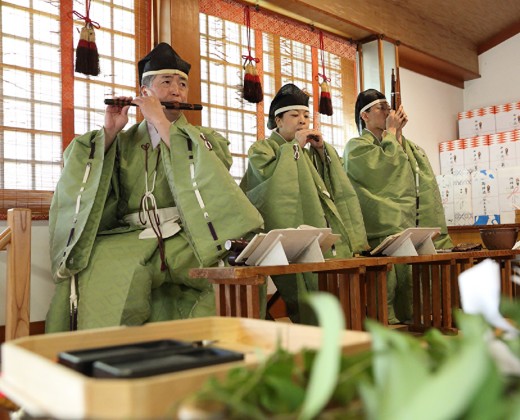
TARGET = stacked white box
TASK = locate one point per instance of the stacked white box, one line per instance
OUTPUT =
(462, 205)
(517, 141)
(484, 189)
(508, 193)
(477, 122)
(445, 183)
(451, 156)
(476, 153)
(503, 149)
(507, 117)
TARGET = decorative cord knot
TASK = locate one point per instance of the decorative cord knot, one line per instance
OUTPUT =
(88, 21)
(296, 150)
(323, 76)
(248, 59)
(209, 146)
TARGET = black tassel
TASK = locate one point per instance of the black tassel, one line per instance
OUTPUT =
(87, 56)
(325, 106)
(252, 85)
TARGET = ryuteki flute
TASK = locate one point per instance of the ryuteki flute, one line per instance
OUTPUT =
(167, 105)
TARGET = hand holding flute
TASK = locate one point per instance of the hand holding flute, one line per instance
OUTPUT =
(116, 117)
(309, 136)
(168, 105)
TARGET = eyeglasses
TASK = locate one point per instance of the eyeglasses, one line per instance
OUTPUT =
(385, 107)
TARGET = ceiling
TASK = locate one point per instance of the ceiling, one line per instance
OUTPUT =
(479, 21)
(439, 38)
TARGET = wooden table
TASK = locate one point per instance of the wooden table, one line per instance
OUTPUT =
(471, 233)
(359, 283)
(435, 285)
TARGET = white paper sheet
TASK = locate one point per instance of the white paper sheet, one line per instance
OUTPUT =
(480, 293)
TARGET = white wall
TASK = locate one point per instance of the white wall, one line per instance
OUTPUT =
(500, 77)
(432, 106)
(42, 286)
(432, 109)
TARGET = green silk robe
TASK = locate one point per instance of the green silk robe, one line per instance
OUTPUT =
(384, 177)
(290, 192)
(118, 275)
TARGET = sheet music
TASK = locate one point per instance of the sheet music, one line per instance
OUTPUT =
(294, 242)
(417, 235)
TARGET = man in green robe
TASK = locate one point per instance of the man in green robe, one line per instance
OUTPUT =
(293, 185)
(134, 210)
(396, 187)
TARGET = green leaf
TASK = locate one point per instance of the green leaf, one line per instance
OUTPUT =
(354, 369)
(384, 342)
(454, 384)
(282, 395)
(513, 407)
(487, 401)
(324, 374)
(439, 346)
(400, 364)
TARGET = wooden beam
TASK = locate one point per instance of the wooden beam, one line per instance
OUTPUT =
(448, 56)
(433, 67)
(502, 36)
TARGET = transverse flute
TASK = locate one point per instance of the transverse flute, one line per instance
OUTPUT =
(167, 105)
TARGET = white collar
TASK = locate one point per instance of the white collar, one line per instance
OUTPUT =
(154, 135)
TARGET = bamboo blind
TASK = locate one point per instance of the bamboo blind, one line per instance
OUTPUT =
(39, 201)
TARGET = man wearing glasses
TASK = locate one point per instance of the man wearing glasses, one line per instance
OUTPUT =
(396, 187)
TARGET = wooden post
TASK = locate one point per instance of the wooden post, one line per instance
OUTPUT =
(184, 14)
(361, 69)
(18, 274)
(381, 57)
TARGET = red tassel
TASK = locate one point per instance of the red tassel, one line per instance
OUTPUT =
(252, 91)
(87, 56)
(325, 106)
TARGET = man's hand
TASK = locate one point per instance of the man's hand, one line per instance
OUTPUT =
(395, 122)
(153, 112)
(116, 117)
(152, 109)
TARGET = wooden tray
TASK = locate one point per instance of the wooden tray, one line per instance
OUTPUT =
(32, 378)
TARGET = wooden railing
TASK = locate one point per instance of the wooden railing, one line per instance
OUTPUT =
(360, 285)
(16, 240)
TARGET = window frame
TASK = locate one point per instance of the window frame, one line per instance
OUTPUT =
(228, 11)
(39, 200)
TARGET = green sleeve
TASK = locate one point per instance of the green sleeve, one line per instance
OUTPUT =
(431, 211)
(212, 207)
(84, 185)
(384, 183)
